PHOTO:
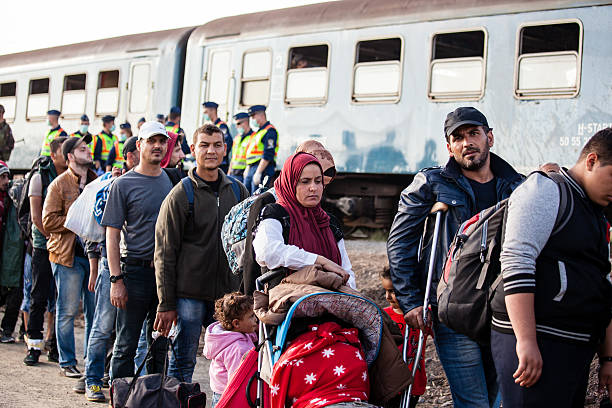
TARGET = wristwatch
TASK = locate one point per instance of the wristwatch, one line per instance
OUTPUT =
(115, 278)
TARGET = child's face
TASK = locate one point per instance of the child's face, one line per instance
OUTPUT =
(246, 324)
(390, 293)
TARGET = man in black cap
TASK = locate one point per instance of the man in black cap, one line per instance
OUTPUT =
(67, 251)
(115, 157)
(262, 150)
(473, 179)
(103, 143)
(84, 128)
(55, 131)
(210, 115)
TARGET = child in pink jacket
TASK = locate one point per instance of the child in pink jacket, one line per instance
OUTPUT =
(229, 339)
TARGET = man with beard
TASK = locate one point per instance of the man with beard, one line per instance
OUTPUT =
(67, 251)
(473, 179)
(130, 214)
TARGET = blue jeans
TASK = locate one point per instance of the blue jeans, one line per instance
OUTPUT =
(27, 283)
(468, 366)
(102, 328)
(141, 351)
(192, 314)
(141, 306)
(215, 399)
(71, 285)
(248, 176)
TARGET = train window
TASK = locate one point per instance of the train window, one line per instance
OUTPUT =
(107, 96)
(307, 75)
(548, 63)
(73, 97)
(458, 65)
(255, 89)
(38, 99)
(140, 87)
(377, 74)
(219, 80)
(8, 99)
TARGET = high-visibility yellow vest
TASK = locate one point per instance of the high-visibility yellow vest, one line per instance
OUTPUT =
(173, 129)
(255, 150)
(107, 143)
(239, 151)
(45, 150)
(119, 159)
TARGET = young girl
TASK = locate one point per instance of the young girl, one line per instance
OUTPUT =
(229, 339)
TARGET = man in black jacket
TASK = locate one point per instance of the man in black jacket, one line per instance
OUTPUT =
(472, 180)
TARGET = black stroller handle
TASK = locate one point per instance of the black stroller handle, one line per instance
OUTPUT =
(269, 276)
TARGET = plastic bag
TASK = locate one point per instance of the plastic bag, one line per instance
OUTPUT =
(80, 219)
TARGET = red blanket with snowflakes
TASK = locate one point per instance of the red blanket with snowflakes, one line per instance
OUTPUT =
(321, 367)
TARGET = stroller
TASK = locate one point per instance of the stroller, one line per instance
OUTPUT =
(250, 385)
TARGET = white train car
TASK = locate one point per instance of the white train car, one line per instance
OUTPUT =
(128, 77)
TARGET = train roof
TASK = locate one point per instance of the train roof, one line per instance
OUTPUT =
(126, 43)
(348, 14)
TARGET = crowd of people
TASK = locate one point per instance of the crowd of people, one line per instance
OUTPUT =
(161, 267)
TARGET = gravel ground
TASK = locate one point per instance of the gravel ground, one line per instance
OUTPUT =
(42, 386)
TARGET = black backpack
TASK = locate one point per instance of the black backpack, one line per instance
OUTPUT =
(19, 194)
(472, 270)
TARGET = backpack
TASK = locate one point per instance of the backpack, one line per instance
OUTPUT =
(19, 194)
(472, 270)
(234, 232)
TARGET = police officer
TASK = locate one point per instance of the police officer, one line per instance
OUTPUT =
(103, 143)
(174, 125)
(115, 156)
(239, 148)
(210, 115)
(160, 118)
(141, 122)
(84, 129)
(262, 149)
(55, 131)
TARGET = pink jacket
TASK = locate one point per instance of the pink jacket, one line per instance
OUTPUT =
(225, 349)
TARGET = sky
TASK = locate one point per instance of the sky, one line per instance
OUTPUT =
(33, 24)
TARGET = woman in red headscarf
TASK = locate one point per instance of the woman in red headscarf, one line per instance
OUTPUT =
(174, 154)
(295, 232)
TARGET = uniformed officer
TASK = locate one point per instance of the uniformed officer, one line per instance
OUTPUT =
(160, 118)
(115, 156)
(55, 131)
(141, 122)
(262, 149)
(174, 125)
(210, 115)
(239, 148)
(103, 143)
(84, 129)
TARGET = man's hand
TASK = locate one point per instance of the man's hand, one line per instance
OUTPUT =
(530, 363)
(414, 318)
(257, 179)
(163, 322)
(115, 172)
(93, 276)
(118, 294)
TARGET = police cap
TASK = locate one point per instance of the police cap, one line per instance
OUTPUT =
(256, 108)
(142, 120)
(241, 115)
(210, 104)
(54, 112)
(108, 118)
(84, 118)
(160, 116)
(175, 110)
(125, 125)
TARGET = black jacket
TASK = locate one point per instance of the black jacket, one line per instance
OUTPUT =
(448, 185)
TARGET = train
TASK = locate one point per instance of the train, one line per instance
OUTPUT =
(372, 80)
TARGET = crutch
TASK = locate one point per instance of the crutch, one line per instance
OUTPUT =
(438, 209)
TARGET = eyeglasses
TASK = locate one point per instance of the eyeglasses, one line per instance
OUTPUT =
(331, 172)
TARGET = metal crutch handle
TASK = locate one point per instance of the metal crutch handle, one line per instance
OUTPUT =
(438, 209)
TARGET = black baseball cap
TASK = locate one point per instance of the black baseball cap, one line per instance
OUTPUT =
(463, 116)
(71, 143)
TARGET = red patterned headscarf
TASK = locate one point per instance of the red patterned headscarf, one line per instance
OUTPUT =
(309, 226)
(171, 143)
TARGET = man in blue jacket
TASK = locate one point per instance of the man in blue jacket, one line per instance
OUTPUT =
(473, 179)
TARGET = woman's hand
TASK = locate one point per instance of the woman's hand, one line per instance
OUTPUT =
(530, 363)
(331, 266)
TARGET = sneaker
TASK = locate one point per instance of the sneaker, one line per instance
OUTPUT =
(79, 387)
(53, 356)
(70, 372)
(7, 337)
(105, 381)
(31, 359)
(95, 394)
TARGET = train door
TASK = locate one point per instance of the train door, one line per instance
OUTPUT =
(220, 86)
(139, 87)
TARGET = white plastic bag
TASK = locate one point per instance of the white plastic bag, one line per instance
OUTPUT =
(80, 219)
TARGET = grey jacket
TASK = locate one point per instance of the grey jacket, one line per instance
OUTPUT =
(448, 185)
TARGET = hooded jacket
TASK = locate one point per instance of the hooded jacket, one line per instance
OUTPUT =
(226, 349)
(448, 185)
